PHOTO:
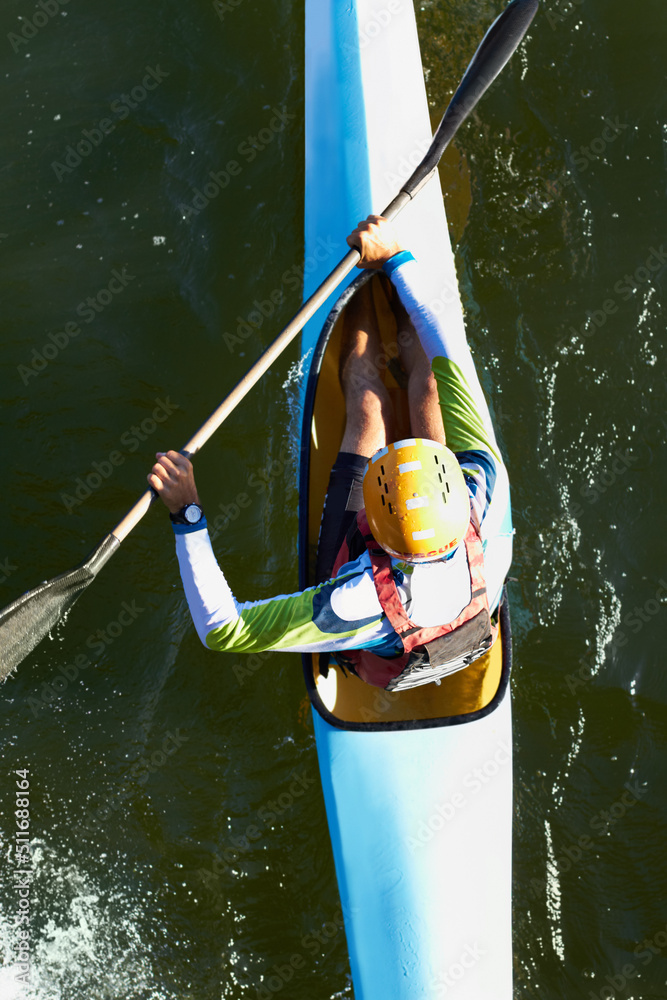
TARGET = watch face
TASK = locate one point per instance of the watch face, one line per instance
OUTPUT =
(192, 513)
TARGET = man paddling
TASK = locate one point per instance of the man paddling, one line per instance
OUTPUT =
(415, 540)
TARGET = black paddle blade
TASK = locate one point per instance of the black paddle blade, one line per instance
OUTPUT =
(495, 50)
(25, 622)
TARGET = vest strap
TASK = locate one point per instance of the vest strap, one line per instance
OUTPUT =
(428, 652)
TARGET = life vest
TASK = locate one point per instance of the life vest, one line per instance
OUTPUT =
(429, 653)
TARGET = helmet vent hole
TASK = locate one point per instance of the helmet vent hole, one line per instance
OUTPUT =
(386, 488)
(444, 496)
(439, 477)
(382, 499)
(379, 481)
(391, 509)
(382, 469)
(447, 487)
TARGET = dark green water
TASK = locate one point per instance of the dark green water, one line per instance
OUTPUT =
(158, 762)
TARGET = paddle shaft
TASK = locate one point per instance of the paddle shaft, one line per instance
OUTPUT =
(262, 365)
(253, 376)
(497, 46)
(25, 622)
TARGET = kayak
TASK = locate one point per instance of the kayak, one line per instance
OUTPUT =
(417, 783)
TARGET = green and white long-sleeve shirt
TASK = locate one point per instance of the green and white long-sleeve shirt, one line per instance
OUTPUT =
(344, 612)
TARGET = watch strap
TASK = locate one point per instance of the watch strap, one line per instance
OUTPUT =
(186, 529)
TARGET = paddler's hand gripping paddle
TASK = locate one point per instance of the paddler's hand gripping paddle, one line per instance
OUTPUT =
(27, 620)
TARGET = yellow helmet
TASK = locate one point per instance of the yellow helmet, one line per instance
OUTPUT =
(416, 499)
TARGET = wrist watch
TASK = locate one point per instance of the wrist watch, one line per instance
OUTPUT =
(190, 514)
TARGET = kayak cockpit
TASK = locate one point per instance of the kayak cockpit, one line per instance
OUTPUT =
(340, 697)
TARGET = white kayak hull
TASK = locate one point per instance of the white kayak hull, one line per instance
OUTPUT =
(419, 824)
(419, 809)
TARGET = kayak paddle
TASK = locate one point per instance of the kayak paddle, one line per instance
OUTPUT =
(25, 622)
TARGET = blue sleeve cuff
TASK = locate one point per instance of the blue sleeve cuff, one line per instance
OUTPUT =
(186, 529)
(390, 265)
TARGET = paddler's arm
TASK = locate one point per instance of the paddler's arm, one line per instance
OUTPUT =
(468, 428)
(466, 417)
(380, 250)
(340, 614)
(207, 592)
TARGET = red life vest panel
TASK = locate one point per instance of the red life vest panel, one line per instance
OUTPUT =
(429, 653)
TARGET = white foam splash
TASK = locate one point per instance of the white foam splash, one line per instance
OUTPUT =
(92, 944)
(553, 895)
(294, 392)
